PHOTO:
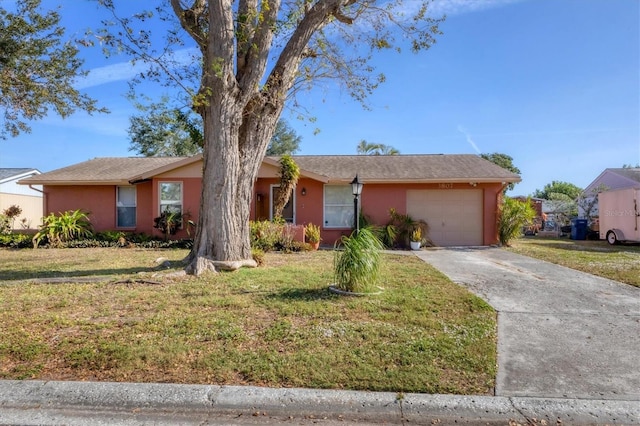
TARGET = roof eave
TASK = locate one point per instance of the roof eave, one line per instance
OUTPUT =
(431, 180)
(73, 182)
(20, 175)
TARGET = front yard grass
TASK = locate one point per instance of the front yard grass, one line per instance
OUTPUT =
(272, 326)
(619, 262)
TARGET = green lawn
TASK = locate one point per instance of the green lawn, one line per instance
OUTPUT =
(619, 262)
(272, 326)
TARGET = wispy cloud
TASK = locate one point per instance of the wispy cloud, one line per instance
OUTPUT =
(110, 73)
(458, 7)
(469, 139)
(455, 7)
(123, 71)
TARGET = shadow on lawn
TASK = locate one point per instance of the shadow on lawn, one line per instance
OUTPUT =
(301, 294)
(584, 245)
(7, 276)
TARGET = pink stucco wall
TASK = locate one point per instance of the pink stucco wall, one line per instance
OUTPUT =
(376, 201)
(98, 201)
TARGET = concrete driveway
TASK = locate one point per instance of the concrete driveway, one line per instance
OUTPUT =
(561, 333)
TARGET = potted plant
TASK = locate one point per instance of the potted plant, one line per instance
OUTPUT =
(416, 239)
(312, 235)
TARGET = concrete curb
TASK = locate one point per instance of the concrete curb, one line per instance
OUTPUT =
(39, 402)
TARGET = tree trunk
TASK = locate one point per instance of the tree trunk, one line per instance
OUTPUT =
(232, 158)
(240, 115)
(221, 235)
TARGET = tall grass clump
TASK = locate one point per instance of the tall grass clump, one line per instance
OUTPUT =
(512, 217)
(357, 265)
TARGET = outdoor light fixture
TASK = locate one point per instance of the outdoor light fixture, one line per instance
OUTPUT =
(304, 191)
(356, 190)
(356, 187)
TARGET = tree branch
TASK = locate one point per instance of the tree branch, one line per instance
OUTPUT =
(190, 19)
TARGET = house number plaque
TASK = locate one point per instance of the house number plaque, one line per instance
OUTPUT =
(445, 185)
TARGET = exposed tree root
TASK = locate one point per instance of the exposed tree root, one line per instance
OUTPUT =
(233, 265)
(199, 265)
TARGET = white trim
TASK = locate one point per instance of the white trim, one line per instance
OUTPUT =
(23, 175)
(292, 200)
(324, 206)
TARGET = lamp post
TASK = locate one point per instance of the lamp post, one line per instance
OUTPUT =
(356, 190)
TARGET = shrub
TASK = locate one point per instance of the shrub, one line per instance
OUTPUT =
(5, 225)
(168, 223)
(264, 235)
(110, 236)
(7, 219)
(357, 265)
(258, 256)
(512, 217)
(64, 227)
(277, 235)
(15, 240)
(285, 241)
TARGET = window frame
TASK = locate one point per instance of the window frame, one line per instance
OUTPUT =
(135, 206)
(181, 184)
(348, 205)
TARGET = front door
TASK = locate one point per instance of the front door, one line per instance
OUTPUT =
(288, 211)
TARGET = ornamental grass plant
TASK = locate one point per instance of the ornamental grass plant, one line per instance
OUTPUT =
(357, 264)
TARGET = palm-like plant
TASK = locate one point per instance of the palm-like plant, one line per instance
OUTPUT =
(398, 231)
(289, 174)
(366, 148)
(64, 227)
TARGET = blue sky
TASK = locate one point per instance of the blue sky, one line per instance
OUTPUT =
(553, 83)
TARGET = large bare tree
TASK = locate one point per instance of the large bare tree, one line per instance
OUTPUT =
(253, 54)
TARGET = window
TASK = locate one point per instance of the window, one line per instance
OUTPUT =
(338, 206)
(171, 197)
(126, 206)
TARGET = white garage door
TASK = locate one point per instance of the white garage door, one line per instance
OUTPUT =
(454, 215)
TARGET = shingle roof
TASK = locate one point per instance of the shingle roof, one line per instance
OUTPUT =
(103, 171)
(630, 173)
(6, 173)
(337, 168)
(403, 168)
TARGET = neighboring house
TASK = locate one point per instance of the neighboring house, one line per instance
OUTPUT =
(609, 179)
(540, 217)
(29, 199)
(458, 195)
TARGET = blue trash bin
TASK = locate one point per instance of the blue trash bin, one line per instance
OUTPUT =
(578, 229)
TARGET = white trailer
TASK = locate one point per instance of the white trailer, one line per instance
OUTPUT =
(620, 215)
